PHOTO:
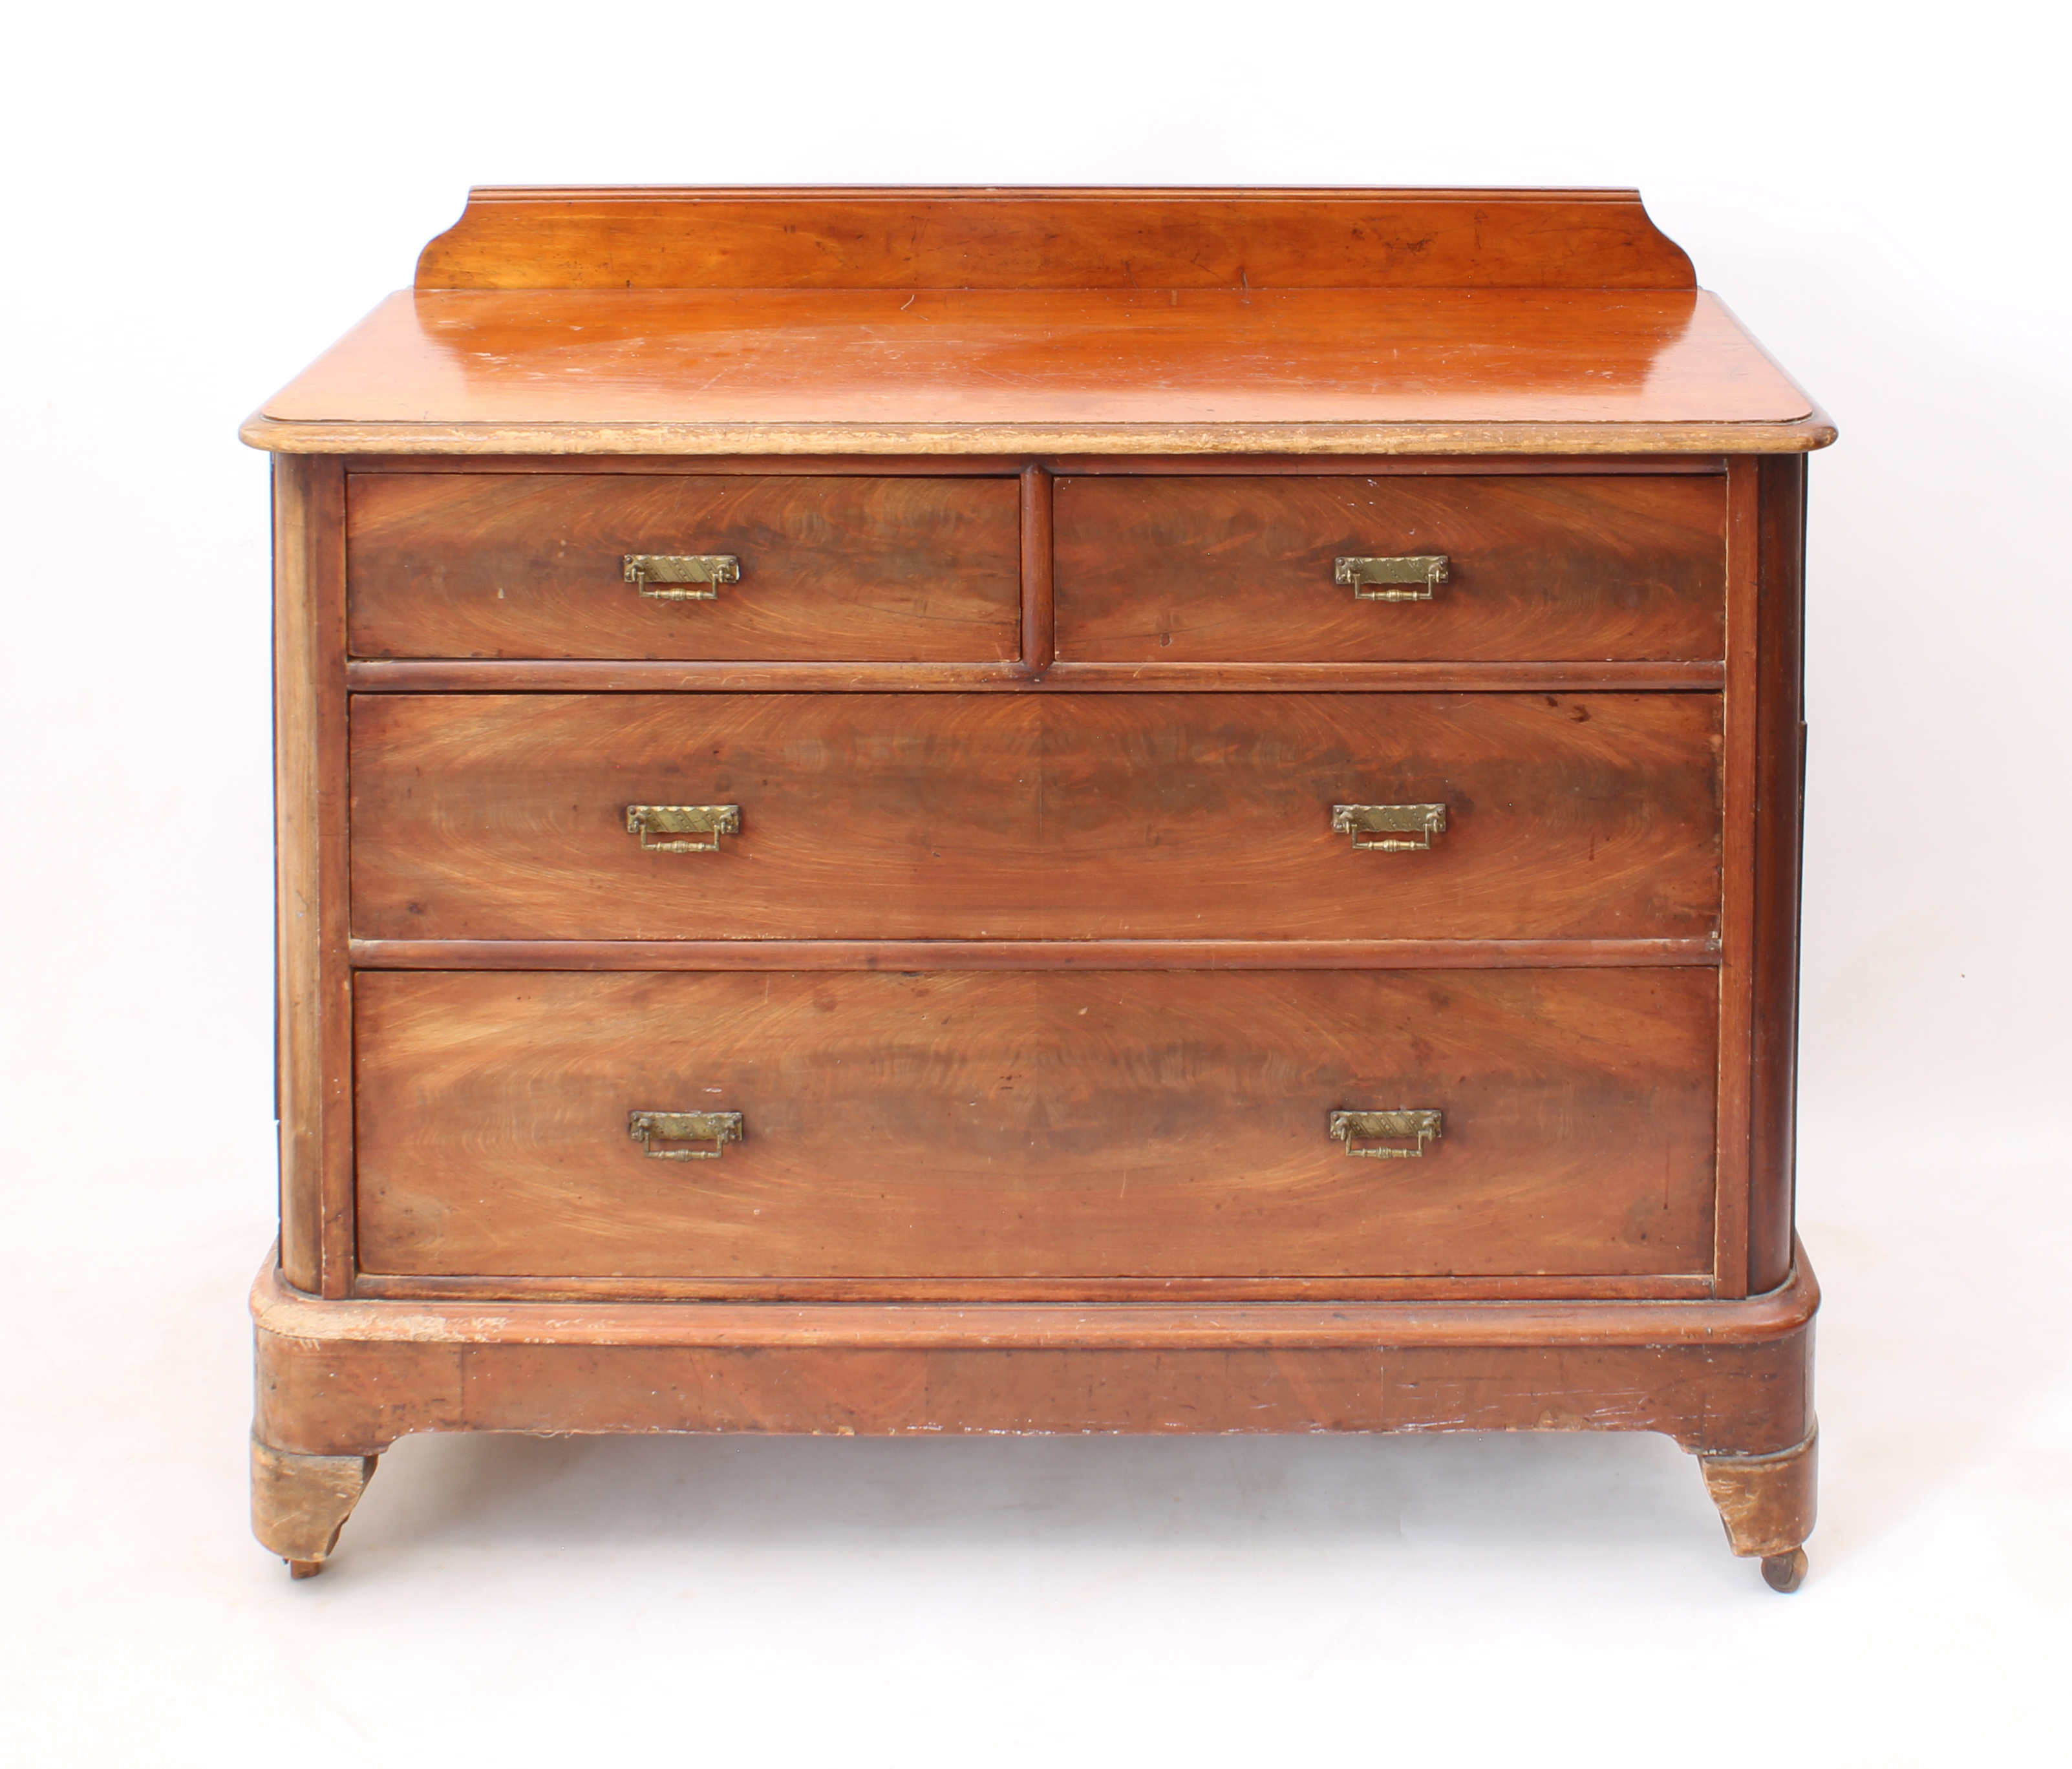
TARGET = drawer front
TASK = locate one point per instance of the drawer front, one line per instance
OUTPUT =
(1036, 1124)
(1558, 567)
(893, 570)
(1035, 817)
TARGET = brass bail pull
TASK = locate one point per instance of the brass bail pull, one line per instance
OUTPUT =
(711, 821)
(1422, 570)
(710, 569)
(1395, 829)
(717, 1128)
(1416, 1125)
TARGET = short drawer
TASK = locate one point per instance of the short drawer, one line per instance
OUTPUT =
(533, 565)
(1036, 1124)
(1556, 567)
(1029, 816)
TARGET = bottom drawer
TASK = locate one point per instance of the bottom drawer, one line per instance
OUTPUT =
(1036, 1124)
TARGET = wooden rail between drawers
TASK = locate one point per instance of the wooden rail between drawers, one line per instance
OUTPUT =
(1024, 954)
(595, 675)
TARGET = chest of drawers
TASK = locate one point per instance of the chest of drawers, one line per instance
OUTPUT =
(1028, 811)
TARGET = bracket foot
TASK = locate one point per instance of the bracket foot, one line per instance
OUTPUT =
(299, 1503)
(1766, 1502)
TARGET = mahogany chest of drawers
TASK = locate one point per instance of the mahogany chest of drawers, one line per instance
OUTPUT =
(942, 810)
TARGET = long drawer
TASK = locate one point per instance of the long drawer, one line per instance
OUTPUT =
(1486, 567)
(667, 565)
(1034, 817)
(1030, 1124)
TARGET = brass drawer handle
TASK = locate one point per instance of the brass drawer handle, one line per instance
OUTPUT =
(646, 568)
(713, 820)
(1352, 1127)
(717, 1128)
(1424, 570)
(1425, 821)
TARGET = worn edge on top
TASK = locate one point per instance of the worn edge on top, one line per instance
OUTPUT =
(1797, 436)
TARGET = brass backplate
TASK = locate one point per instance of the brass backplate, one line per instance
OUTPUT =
(713, 820)
(1422, 569)
(1390, 823)
(716, 1128)
(1352, 1127)
(648, 568)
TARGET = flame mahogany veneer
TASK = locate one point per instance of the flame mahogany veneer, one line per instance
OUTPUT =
(1039, 954)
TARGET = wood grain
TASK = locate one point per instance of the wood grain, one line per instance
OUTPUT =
(313, 1027)
(1239, 569)
(928, 465)
(1592, 439)
(898, 569)
(987, 1292)
(299, 1503)
(1779, 1317)
(1740, 813)
(361, 1395)
(1766, 1502)
(530, 237)
(847, 1393)
(1028, 817)
(1039, 620)
(1721, 1378)
(1780, 812)
(1036, 1124)
(1038, 372)
(617, 675)
(1024, 954)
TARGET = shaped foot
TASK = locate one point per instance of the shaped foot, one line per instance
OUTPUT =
(1766, 1502)
(299, 1503)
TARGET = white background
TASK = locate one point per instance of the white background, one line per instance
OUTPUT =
(201, 197)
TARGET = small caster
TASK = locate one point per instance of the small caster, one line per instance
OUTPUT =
(309, 1568)
(1781, 1572)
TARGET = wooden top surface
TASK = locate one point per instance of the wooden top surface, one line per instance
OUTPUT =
(975, 323)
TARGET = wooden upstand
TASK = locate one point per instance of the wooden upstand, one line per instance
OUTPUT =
(1039, 810)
